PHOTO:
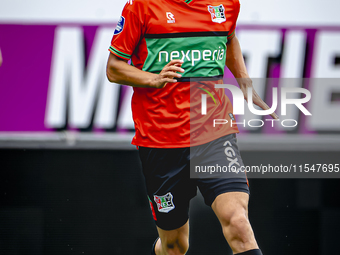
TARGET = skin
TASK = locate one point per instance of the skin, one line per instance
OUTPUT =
(236, 65)
(230, 208)
(173, 242)
(0, 58)
(119, 71)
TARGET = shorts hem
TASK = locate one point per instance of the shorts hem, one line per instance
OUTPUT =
(173, 226)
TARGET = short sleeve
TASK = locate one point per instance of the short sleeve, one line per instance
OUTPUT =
(236, 11)
(128, 32)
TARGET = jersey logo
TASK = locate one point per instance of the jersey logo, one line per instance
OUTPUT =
(164, 203)
(120, 26)
(130, 2)
(217, 13)
(170, 17)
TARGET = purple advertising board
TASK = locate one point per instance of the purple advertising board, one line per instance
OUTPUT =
(39, 72)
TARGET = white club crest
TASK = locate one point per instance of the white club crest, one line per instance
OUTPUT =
(164, 203)
(217, 13)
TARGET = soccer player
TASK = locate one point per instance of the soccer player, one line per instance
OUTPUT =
(178, 50)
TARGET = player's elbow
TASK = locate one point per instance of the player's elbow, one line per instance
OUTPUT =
(112, 72)
(112, 68)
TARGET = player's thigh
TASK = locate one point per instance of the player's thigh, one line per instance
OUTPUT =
(222, 156)
(168, 185)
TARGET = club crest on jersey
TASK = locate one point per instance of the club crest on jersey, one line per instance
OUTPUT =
(120, 25)
(164, 203)
(217, 13)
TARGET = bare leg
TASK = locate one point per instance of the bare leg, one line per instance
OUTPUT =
(173, 242)
(232, 211)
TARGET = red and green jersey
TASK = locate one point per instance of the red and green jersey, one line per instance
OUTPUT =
(152, 33)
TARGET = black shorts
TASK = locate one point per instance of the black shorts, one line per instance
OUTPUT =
(173, 175)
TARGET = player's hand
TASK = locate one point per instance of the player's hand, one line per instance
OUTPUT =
(168, 74)
(247, 83)
(0, 58)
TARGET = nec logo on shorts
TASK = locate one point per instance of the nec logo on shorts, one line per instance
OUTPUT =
(217, 13)
(164, 203)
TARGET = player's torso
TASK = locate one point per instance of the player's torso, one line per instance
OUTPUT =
(195, 31)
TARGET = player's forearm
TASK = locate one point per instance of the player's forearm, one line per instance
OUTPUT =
(119, 71)
(235, 62)
(236, 65)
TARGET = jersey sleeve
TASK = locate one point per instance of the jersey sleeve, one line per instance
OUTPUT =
(128, 32)
(231, 33)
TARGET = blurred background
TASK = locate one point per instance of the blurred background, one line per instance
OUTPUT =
(71, 182)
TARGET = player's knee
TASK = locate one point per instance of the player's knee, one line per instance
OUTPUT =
(234, 220)
(238, 221)
(239, 226)
(235, 217)
(225, 218)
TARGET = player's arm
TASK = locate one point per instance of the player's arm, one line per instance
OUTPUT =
(236, 65)
(119, 71)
